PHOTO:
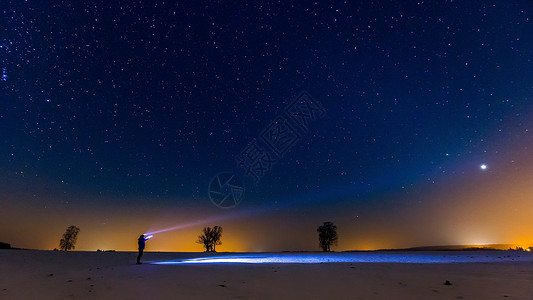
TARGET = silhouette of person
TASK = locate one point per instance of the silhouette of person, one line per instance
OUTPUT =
(141, 241)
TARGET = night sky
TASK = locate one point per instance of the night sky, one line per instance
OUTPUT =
(115, 116)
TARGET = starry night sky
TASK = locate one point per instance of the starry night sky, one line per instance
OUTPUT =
(116, 115)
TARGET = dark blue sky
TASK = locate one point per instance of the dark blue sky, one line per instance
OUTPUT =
(150, 100)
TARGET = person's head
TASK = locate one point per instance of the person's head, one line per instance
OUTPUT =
(142, 236)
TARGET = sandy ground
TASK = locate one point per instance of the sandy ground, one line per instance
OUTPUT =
(28, 274)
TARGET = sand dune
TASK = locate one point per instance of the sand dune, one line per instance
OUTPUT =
(369, 275)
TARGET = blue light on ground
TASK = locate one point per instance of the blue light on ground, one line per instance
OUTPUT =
(314, 258)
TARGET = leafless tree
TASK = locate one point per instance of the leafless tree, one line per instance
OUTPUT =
(210, 237)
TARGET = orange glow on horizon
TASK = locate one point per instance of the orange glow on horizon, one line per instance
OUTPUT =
(493, 206)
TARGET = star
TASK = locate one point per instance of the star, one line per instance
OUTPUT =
(483, 167)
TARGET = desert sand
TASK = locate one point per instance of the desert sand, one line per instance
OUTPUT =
(29, 274)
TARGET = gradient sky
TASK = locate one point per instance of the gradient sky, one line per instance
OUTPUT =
(116, 115)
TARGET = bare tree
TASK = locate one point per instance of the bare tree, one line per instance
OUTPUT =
(210, 237)
(204, 239)
(216, 235)
(70, 237)
(327, 236)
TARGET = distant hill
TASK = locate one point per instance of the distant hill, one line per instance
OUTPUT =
(5, 245)
(457, 248)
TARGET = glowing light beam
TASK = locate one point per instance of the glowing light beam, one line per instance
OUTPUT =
(206, 221)
(342, 258)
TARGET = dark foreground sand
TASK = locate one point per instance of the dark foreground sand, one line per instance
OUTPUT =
(90, 275)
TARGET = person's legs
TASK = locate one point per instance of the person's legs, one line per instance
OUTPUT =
(139, 256)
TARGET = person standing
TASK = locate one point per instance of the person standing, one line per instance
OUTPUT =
(141, 241)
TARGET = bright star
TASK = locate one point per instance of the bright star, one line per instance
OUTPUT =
(483, 167)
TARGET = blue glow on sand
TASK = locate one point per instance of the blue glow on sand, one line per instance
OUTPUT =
(315, 258)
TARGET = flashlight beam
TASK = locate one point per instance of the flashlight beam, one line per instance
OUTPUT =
(203, 222)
